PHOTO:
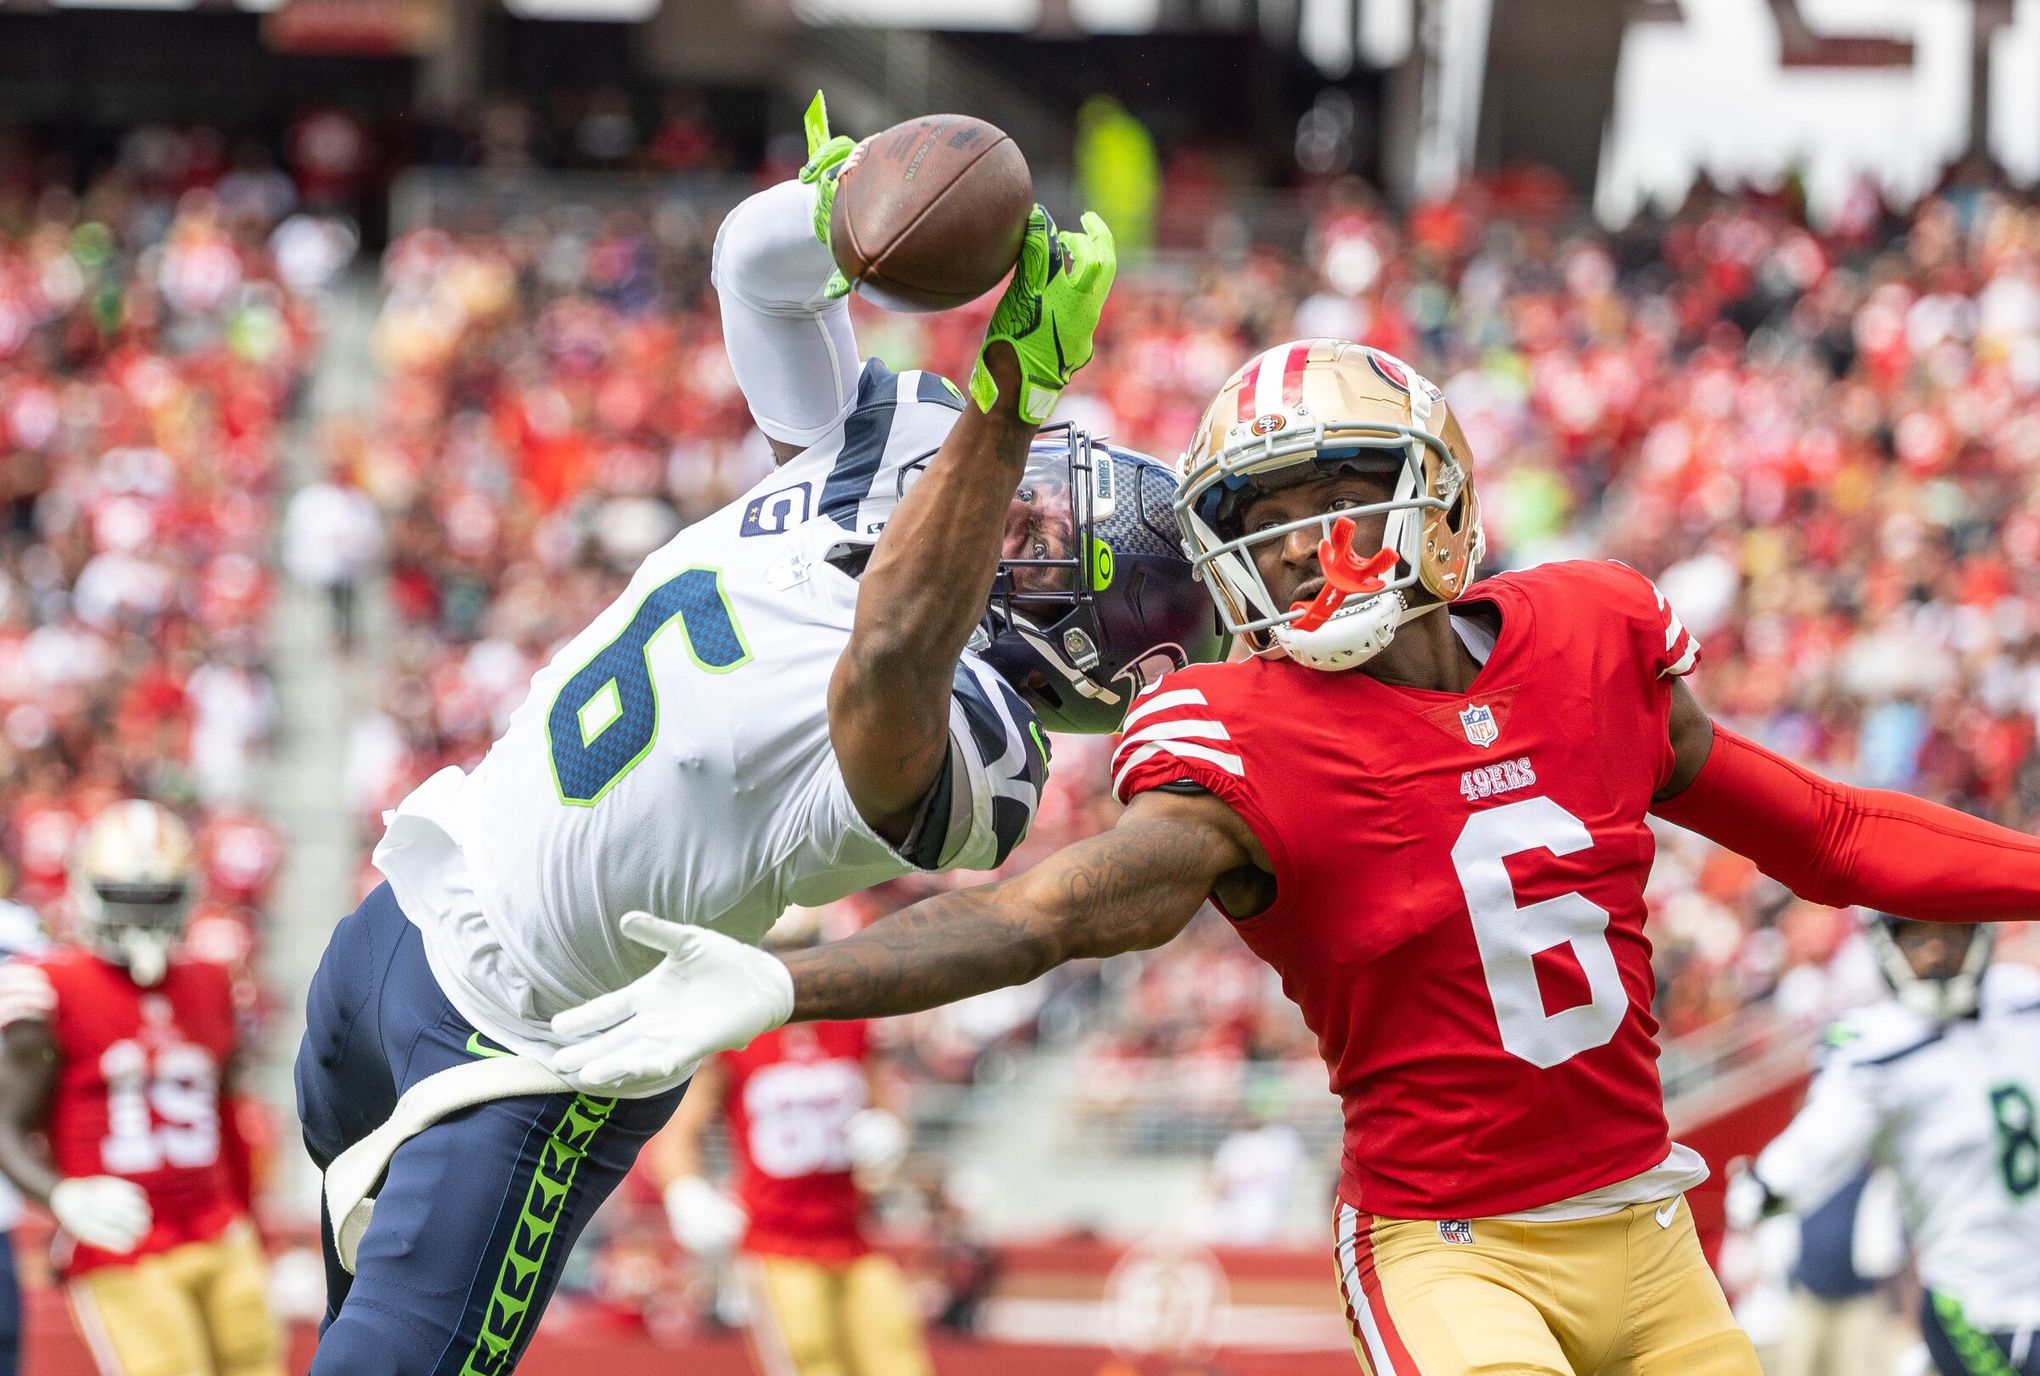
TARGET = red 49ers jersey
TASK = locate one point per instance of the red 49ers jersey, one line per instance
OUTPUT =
(138, 1080)
(792, 1092)
(1459, 886)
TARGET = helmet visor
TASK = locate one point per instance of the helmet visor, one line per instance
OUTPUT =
(1040, 552)
(144, 907)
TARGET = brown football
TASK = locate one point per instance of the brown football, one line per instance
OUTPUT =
(930, 214)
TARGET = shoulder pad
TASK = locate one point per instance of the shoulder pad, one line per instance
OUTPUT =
(1874, 1035)
(2009, 987)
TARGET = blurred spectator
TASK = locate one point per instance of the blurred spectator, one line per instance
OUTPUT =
(1255, 1175)
(332, 536)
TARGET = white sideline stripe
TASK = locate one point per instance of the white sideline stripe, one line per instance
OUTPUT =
(1231, 764)
(1356, 1298)
(1176, 731)
(1175, 697)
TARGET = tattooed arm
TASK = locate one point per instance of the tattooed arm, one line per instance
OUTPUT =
(1134, 886)
(1127, 889)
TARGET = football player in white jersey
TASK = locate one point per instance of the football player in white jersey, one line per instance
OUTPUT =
(1938, 1082)
(780, 709)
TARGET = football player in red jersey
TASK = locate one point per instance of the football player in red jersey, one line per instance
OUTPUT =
(113, 1071)
(1432, 823)
(810, 1142)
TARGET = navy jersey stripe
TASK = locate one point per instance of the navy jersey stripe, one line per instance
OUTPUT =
(938, 389)
(865, 436)
(997, 737)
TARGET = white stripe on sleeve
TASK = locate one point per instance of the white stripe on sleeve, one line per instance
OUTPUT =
(1185, 750)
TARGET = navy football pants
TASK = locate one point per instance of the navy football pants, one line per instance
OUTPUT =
(1959, 1348)
(478, 1212)
(10, 1308)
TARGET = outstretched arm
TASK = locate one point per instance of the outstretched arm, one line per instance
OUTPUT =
(28, 1073)
(1835, 844)
(931, 573)
(922, 593)
(1126, 889)
(1131, 887)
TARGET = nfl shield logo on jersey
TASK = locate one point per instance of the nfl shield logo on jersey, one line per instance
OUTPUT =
(1457, 1231)
(1477, 719)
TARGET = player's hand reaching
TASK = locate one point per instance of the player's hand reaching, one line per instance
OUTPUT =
(1049, 312)
(877, 1143)
(703, 1219)
(828, 158)
(710, 993)
(102, 1211)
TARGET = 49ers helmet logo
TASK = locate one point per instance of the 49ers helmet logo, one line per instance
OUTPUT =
(1390, 370)
(1269, 424)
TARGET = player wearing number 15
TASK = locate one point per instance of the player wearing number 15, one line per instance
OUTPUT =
(116, 1054)
(1424, 802)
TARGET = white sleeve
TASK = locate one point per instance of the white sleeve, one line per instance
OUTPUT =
(1828, 1143)
(792, 349)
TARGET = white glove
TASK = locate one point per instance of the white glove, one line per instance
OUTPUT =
(102, 1211)
(704, 1220)
(711, 993)
(1746, 1202)
(877, 1141)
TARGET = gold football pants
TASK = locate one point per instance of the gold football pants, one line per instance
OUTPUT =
(1629, 1294)
(197, 1310)
(810, 1318)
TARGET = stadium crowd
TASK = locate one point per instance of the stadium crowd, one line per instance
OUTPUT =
(150, 353)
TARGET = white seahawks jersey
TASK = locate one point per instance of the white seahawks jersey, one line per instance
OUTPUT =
(1951, 1110)
(675, 755)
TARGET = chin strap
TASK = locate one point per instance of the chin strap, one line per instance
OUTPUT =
(1836, 845)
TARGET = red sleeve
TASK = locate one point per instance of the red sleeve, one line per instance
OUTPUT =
(1667, 646)
(1834, 844)
(1176, 733)
(237, 1154)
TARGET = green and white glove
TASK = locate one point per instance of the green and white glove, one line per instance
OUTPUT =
(1049, 312)
(828, 158)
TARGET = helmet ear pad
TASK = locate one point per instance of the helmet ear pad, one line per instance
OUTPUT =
(1452, 542)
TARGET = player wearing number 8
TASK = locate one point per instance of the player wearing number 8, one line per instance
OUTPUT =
(116, 1053)
(1938, 1083)
(1424, 801)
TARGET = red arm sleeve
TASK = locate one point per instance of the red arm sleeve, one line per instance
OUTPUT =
(1834, 844)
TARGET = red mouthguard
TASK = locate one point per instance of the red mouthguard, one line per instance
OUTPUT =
(1346, 575)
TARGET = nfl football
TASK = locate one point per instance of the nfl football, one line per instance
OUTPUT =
(930, 213)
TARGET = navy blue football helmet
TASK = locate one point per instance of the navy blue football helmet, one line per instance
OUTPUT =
(1094, 598)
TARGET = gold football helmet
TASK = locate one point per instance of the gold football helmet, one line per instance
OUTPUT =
(132, 880)
(1305, 410)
